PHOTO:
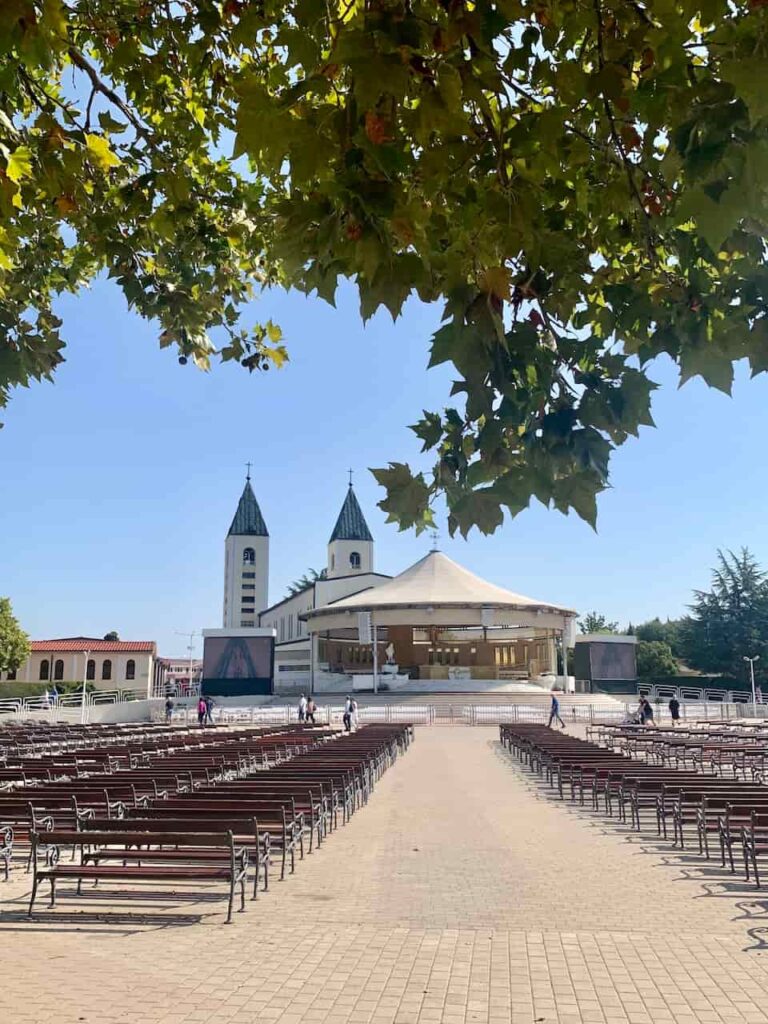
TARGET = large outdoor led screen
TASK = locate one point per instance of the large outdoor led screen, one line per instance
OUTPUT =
(237, 657)
(612, 661)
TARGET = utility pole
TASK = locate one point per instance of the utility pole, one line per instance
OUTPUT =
(190, 649)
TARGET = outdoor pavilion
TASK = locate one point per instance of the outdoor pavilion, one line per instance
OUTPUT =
(438, 621)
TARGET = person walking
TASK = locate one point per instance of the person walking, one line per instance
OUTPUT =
(674, 710)
(209, 710)
(647, 712)
(54, 695)
(311, 708)
(168, 710)
(554, 712)
(641, 711)
(202, 710)
(354, 714)
(348, 714)
(303, 708)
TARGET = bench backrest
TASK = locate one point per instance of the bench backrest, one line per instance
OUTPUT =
(159, 825)
(218, 840)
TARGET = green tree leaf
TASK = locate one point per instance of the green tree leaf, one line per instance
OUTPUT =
(99, 150)
(429, 430)
(407, 501)
(747, 75)
(19, 164)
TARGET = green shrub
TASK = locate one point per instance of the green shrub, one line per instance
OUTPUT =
(16, 688)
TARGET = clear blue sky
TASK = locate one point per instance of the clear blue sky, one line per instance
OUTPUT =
(120, 480)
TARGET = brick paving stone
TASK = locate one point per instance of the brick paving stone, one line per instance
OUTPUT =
(462, 893)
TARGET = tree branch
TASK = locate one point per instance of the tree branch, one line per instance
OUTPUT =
(626, 162)
(98, 85)
(88, 110)
(31, 85)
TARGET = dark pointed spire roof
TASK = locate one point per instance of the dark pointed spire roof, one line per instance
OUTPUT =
(351, 524)
(248, 518)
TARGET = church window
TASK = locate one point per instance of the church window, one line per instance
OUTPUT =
(130, 669)
(90, 672)
(249, 575)
(44, 668)
(246, 623)
(249, 586)
(354, 560)
(333, 561)
(106, 669)
(249, 557)
(58, 669)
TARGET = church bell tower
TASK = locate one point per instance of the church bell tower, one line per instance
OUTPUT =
(350, 549)
(246, 563)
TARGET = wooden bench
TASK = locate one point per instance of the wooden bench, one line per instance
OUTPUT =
(246, 832)
(286, 833)
(195, 865)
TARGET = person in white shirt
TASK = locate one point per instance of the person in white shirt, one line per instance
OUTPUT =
(302, 708)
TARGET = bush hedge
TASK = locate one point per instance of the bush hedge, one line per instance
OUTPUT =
(15, 688)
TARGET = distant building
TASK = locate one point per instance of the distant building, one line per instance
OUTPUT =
(178, 676)
(108, 664)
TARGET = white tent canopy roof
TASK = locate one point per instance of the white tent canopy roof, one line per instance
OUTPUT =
(436, 582)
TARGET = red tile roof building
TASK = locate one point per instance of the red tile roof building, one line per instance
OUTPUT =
(108, 664)
(87, 643)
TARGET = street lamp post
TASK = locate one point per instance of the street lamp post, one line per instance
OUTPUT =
(86, 655)
(752, 679)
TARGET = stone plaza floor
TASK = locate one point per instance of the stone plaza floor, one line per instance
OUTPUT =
(462, 893)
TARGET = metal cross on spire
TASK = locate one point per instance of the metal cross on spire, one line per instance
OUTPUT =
(350, 471)
(435, 538)
(248, 471)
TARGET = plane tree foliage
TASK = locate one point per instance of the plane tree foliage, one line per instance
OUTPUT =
(581, 185)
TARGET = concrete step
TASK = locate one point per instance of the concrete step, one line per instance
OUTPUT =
(487, 699)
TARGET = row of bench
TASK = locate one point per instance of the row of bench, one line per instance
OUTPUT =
(731, 811)
(739, 749)
(31, 765)
(201, 815)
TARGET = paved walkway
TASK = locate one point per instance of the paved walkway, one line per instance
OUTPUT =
(460, 894)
